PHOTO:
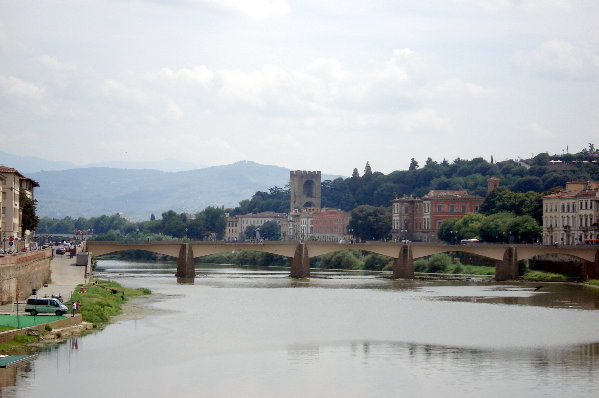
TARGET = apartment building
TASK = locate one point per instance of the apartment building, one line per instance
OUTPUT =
(236, 225)
(12, 184)
(571, 216)
(419, 219)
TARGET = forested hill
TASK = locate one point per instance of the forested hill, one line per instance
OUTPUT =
(377, 189)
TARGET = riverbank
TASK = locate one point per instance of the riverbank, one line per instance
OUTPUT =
(100, 301)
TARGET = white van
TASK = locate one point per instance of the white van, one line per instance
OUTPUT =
(45, 306)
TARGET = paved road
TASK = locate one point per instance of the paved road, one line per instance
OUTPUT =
(65, 276)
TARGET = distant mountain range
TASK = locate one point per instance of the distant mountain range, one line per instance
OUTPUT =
(136, 194)
(30, 164)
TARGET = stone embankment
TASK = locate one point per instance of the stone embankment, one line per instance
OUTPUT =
(22, 272)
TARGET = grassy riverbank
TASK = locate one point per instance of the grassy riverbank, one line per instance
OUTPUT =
(100, 300)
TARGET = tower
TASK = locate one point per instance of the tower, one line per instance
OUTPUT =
(305, 189)
(492, 184)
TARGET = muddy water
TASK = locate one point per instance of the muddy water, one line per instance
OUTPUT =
(238, 332)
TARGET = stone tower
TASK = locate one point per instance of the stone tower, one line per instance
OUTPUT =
(492, 184)
(305, 189)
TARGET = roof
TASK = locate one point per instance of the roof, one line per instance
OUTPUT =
(4, 169)
(572, 194)
(446, 194)
(264, 214)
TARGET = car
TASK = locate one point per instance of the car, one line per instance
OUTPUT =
(60, 250)
(1, 251)
(45, 306)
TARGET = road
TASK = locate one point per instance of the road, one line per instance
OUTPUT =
(65, 276)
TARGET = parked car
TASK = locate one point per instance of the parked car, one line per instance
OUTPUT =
(45, 306)
(60, 250)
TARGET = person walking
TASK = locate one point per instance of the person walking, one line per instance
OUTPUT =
(75, 308)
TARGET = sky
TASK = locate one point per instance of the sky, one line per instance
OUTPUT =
(313, 85)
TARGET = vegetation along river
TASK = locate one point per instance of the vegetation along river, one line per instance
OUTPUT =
(240, 332)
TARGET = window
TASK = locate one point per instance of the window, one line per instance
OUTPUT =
(439, 208)
(3, 211)
(475, 207)
(3, 195)
(463, 208)
(452, 208)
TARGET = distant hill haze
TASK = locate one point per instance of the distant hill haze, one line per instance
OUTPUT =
(136, 194)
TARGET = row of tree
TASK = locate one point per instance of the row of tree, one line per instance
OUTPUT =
(210, 223)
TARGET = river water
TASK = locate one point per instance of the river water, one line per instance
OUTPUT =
(239, 332)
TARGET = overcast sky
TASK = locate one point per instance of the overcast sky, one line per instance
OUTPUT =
(313, 84)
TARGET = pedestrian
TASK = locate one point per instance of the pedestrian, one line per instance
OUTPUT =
(75, 307)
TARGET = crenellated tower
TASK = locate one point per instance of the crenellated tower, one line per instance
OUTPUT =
(305, 189)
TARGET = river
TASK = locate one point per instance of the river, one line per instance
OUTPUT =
(240, 332)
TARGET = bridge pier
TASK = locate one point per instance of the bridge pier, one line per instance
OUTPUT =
(590, 270)
(403, 266)
(300, 264)
(185, 265)
(507, 268)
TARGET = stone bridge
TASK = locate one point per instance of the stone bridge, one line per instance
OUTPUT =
(506, 256)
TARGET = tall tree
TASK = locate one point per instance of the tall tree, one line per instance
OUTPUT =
(367, 170)
(370, 223)
(30, 219)
(413, 164)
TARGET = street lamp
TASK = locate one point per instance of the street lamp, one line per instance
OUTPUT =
(453, 236)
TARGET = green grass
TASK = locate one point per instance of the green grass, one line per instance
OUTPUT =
(593, 282)
(18, 341)
(4, 328)
(545, 276)
(470, 269)
(104, 300)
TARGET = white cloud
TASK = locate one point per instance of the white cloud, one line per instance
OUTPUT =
(154, 108)
(538, 131)
(50, 62)
(14, 86)
(425, 119)
(558, 58)
(251, 8)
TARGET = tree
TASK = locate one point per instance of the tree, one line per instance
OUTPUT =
(413, 164)
(367, 170)
(250, 232)
(528, 183)
(270, 230)
(30, 220)
(213, 220)
(370, 223)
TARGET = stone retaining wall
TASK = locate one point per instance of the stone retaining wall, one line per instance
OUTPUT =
(22, 272)
(59, 324)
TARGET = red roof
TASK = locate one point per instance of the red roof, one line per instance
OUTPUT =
(4, 169)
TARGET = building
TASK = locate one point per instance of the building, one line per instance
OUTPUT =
(13, 184)
(572, 215)
(305, 189)
(419, 219)
(330, 225)
(325, 224)
(236, 225)
(232, 230)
